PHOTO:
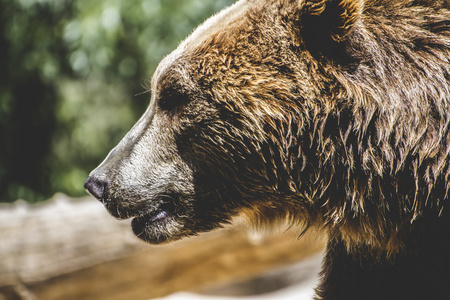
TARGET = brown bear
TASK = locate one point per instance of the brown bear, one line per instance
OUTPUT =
(324, 113)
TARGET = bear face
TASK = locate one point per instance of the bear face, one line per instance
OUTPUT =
(183, 169)
(331, 113)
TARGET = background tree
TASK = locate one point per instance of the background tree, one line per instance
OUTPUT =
(71, 83)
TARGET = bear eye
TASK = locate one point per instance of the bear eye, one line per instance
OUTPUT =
(172, 99)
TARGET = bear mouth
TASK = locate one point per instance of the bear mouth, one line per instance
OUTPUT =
(152, 226)
(157, 215)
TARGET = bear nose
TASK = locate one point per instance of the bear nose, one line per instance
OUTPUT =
(95, 186)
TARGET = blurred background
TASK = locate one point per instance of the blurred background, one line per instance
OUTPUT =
(72, 83)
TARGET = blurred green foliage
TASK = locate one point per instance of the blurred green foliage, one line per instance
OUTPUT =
(71, 83)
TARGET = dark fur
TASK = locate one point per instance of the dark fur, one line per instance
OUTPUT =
(327, 113)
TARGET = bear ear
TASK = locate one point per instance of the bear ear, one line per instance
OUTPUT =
(327, 23)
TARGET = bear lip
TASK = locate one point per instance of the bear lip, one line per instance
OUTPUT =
(157, 209)
(147, 226)
(161, 213)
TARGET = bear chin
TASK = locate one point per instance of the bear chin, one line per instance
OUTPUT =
(154, 231)
(158, 226)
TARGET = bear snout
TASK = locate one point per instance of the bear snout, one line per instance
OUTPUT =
(96, 187)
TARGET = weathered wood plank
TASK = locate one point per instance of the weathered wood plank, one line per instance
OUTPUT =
(72, 249)
(59, 236)
(213, 259)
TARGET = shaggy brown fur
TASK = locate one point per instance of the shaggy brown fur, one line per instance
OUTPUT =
(376, 128)
(329, 113)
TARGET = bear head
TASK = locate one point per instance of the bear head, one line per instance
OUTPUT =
(265, 110)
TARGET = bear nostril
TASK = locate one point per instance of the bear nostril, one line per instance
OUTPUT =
(95, 187)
